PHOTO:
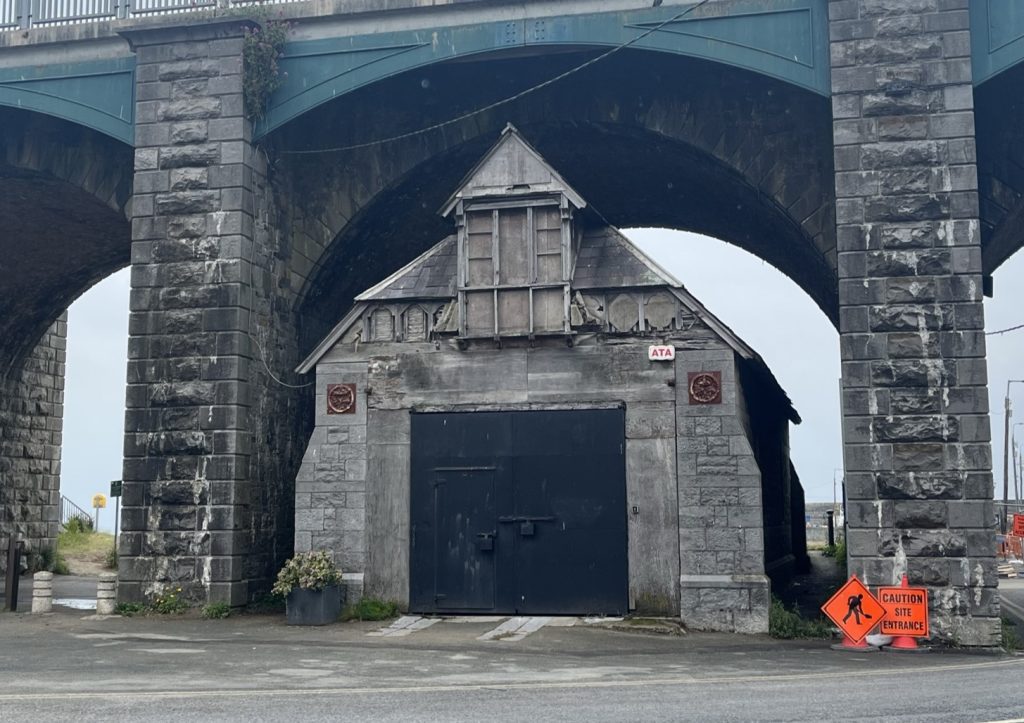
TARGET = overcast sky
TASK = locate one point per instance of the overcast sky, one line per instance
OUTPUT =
(760, 304)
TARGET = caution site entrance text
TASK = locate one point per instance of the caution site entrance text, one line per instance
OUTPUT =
(906, 611)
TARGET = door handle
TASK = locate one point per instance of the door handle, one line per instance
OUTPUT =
(485, 541)
(526, 518)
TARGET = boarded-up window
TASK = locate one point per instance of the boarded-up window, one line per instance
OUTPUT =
(513, 254)
(415, 324)
(623, 313)
(548, 310)
(480, 313)
(479, 249)
(548, 244)
(519, 254)
(382, 325)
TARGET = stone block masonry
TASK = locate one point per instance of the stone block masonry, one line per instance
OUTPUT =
(31, 425)
(207, 455)
(915, 403)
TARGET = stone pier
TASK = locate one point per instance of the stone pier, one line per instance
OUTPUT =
(915, 402)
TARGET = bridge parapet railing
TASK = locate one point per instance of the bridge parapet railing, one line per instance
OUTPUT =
(25, 14)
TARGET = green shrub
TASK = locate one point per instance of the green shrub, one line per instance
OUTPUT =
(371, 609)
(1011, 641)
(217, 611)
(169, 603)
(111, 562)
(78, 525)
(128, 609)
(47, 560)
(838, 551)
(783, 623)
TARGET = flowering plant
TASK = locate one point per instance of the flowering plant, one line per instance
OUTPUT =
(307, 571)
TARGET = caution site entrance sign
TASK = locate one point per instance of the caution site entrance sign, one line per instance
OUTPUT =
(906, 611)
(854, 610)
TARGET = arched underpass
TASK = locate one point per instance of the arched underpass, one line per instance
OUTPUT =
(648, 139)
(63, 196)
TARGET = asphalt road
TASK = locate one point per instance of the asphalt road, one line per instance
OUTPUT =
(63, 667)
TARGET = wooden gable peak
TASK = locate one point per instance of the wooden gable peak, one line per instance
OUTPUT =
(512, 167)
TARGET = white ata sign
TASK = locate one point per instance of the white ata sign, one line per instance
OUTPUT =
(661, 353)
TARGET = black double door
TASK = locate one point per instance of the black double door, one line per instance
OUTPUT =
(519, 512)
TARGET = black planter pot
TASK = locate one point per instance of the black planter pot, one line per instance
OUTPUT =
(314, 607)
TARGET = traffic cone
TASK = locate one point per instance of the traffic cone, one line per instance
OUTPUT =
(849, 644)
(905, 643)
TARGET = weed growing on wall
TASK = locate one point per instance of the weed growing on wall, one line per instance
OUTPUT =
(261, 50)
(169, 603)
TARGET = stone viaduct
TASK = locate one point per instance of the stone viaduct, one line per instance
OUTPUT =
(872, 150)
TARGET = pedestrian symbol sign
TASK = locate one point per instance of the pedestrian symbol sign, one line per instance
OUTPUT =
(854, 610)
(906, 611)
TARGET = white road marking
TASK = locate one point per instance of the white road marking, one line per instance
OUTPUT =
(405, 625)
(515, 629)
(562, 622)
(168, 651)
(130, 636)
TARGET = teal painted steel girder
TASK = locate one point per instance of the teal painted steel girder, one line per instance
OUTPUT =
(783, 39)
(97, 94)
(997, 37)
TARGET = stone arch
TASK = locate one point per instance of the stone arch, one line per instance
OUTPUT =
(999, 119)
(63, 196)
(643, 139)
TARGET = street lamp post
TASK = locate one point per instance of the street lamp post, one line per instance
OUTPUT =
(1018, 476)
(1006, 453)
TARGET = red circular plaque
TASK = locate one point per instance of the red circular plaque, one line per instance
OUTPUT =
(705, 388)
(341, 398)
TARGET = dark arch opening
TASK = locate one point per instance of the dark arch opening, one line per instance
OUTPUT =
(63, 193)
(648, 139)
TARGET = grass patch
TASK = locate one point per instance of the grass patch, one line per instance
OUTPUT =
(1011, 641)
(371, 609)
(837, 551)
(787, 624)
(130, 609)
(80, 547)
(217, 611)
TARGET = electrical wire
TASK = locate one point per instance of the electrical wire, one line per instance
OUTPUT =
(504, 101)
(1004, 331)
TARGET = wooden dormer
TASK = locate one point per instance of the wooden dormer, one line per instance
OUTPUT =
(516, 242)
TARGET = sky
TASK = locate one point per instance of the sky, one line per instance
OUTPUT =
(770, 312)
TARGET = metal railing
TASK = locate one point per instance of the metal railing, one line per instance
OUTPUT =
(25, 14)
(69, 509)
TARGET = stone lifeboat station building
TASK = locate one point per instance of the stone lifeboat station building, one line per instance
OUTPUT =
(534, 418)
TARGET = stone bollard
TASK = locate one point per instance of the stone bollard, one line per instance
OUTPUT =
(106, 593)
(42, 592)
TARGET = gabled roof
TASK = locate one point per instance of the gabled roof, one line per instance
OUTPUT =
(607, 259)
(511, 168)
(430, 275)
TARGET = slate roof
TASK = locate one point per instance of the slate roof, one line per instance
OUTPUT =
(607, 260)
(430, 276)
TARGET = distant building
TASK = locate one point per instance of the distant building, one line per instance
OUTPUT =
(532, 417)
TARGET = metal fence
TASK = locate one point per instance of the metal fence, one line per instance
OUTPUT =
(69, 509)
(25, 14)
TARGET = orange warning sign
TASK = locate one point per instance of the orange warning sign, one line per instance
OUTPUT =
(854, 609)
(1018, 525)
(906, 611)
